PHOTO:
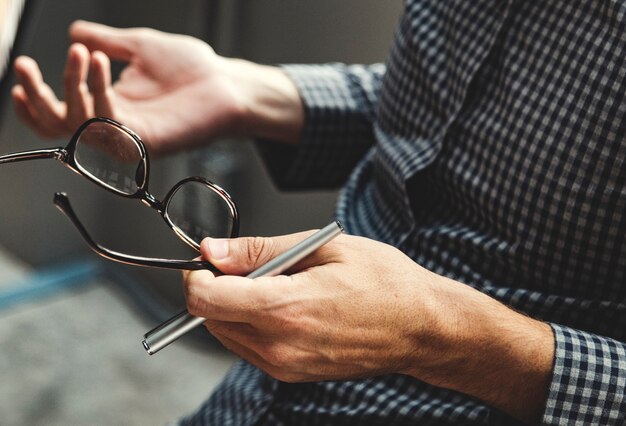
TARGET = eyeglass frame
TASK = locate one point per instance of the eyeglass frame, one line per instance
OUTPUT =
(67, 156)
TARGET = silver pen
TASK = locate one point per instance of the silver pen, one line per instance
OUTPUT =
(170, 330)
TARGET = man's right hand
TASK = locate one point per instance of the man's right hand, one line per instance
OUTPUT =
(175, 91)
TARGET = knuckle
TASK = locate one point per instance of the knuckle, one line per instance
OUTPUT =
(83, 88)
(258, 250)
(277, 356)
(143, 34)
(147, 31)
(196, 301)
(268, 353)
(196, 305)
(40, 92)
(193, 302)
(187, 287)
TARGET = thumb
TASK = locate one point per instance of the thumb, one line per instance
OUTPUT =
(240, 256)
(117, 43)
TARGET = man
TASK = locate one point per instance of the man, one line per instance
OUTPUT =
(485, 166)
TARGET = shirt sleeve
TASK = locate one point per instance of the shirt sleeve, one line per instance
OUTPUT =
(339, 104)
(588, 380)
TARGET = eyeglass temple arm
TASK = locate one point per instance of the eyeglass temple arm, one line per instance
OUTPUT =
(63, 204)
(33, 155)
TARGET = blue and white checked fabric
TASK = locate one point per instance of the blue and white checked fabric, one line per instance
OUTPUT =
(490, 148)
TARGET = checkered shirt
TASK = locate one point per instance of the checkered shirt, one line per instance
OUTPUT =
(490, 149)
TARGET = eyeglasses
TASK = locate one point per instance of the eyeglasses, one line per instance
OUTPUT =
(114, 157)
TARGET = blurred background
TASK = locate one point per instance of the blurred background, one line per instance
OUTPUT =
(70, 323)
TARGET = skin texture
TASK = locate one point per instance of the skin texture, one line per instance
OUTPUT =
(175, 91)
(356, 307)
(359, 308)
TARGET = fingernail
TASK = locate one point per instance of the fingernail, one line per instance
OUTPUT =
(218, 248)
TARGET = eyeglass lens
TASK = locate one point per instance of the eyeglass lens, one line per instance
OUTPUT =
(198, 211)
(111, 156)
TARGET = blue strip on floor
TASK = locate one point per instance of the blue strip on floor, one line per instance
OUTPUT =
(49, 281)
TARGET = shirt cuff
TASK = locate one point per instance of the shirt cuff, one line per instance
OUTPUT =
(588, 380)
(339, 103)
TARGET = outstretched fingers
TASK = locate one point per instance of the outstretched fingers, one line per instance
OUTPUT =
(77, 96)
(22, 110)
(38, 107)
(117, 43)
(45, 112)
(102, 91)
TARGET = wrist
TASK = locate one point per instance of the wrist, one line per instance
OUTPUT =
(268, 104)
(484, 349)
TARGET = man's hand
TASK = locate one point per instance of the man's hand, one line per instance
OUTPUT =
(175, 91)
(349, 312)
(358, 308)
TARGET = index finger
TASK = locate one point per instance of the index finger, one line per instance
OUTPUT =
(229, 298)
(115, 42)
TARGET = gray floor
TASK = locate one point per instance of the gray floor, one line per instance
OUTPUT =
(75, 358)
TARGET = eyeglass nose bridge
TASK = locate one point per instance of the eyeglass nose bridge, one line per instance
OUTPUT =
(150, 201)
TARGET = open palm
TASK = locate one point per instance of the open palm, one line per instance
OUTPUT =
(174, 91)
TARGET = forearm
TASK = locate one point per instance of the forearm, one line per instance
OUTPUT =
(340, 104)
(486, 350)
(269, 105)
